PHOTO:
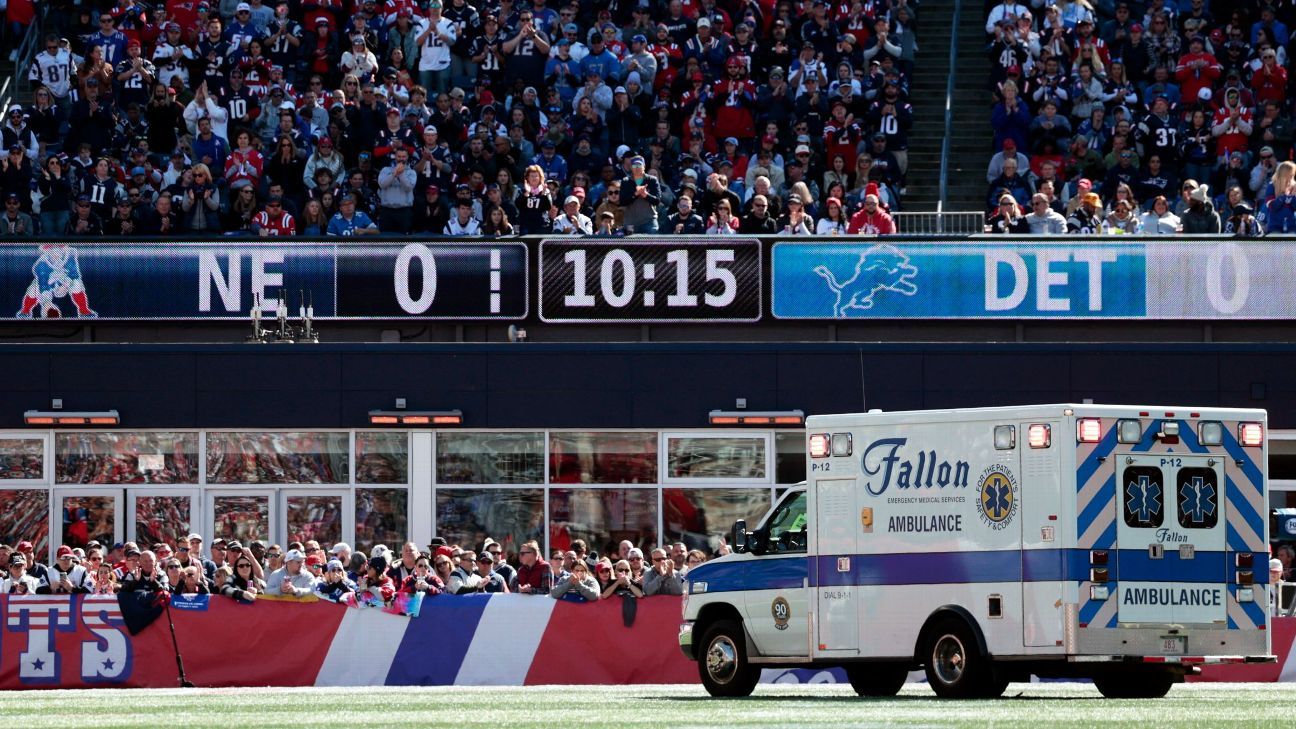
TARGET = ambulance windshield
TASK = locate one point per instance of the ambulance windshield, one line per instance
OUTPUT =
(787, 523)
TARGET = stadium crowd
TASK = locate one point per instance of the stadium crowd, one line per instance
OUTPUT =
(1122, 117)
(351, 117)
(308, 570)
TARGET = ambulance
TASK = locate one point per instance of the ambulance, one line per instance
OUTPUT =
(983, 546)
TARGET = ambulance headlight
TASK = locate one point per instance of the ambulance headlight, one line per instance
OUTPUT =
(697, 588)
(1098, 592)
(1129, 431)
(1210, 432)
(1170, 428)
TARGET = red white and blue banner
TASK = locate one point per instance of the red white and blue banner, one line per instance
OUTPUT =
(509, 640)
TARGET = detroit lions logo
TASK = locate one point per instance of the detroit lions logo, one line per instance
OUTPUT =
(880, 268)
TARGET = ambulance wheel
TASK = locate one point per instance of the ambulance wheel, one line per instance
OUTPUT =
(1141, 685)
(954, 665)
(723, 664)
(877, 679)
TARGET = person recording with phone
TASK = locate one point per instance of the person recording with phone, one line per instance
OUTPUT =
(291, 580)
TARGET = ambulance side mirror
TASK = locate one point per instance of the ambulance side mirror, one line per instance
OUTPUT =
(740, 535)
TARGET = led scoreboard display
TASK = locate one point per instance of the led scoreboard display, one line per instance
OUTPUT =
(653, 280)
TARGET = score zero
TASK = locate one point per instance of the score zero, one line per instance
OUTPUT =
(618, 286)
(428, 279)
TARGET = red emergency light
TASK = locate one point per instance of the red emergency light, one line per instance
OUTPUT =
(1251, 434)
(794, 418)
(1089, 430)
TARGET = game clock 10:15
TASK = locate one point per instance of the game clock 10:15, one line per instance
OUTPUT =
(650, 280)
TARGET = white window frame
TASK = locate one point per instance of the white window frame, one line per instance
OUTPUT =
(663, 454)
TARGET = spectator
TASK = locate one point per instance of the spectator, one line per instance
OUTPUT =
(1007, 218)
(1043, 219)
(723, 222)
(871, 219)
(1121, 220)
(192, 582)
(15, 223)
(1242, 223)
(335, 584)
(18, 581)
(621, 582)
(376, 582)
(464, 578)
(662, 578)
(501, 564)
(351, 222)
(423, 580)
(68, 576)
(1200, 218)
(577, 585)
(534, 576)
(488, 579)
(291, 580)
(1085, 220)
(1159, 220)
(796, 221)
(144, 577)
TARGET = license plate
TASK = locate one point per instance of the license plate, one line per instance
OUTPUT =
(1173, 645)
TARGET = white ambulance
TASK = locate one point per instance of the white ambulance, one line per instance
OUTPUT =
(1124, 544)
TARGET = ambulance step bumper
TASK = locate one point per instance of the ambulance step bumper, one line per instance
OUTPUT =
(1184, 660)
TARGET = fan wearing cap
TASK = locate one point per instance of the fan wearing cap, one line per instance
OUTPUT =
(291, 580)
(640, 198)
(145, 576)
(572, 221)
(67, 576)
(1242, 223)
(1086, 219)
(18, 581)
(134, 75)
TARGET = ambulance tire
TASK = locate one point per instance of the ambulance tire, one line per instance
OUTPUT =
(877, 679)
(723, 665)
(955, 666)
(1129, 685)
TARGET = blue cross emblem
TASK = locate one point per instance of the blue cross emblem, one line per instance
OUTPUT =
(1143, 498)
(1198, 499)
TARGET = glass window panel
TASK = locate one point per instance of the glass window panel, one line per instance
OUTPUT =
(24, 516)
(509, 516)
(381, 518)
(315, 517)
(789, 456)
(382, 457)
(603, 458)
(245, 518)
(700, 517)
(473, 458)
(712, 457)
(22, 459)
(162, 519)
(126, 458)
(89, 518)
(277, 458)
(602, 517)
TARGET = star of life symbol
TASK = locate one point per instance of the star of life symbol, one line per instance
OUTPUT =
(1143, 498)
(1198, 499)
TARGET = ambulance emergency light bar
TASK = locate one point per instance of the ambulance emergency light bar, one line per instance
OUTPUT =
(767, 417)
(59, 417)
(415, 417)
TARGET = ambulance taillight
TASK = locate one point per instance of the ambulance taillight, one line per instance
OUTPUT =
(1089, 430)
(1251, 434)
(1039, 435)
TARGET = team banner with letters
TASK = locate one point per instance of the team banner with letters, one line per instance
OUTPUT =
(1023, 279)
(160, 281)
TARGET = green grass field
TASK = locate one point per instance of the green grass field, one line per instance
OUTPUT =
(560, 707)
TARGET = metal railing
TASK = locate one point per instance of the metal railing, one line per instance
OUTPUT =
(19, 82)
(949, 112)
(939, 223)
